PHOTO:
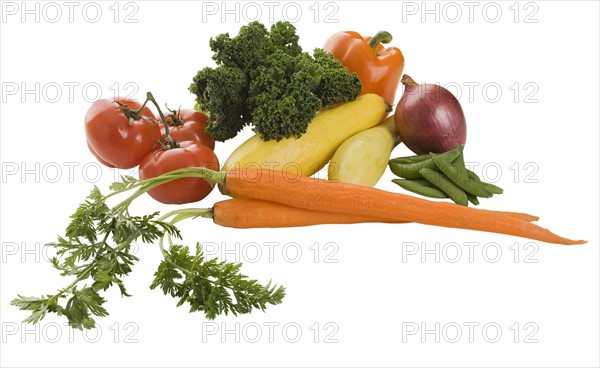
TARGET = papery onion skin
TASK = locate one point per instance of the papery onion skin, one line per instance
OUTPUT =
(429, 118)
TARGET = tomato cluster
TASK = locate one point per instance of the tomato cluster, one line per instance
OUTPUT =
(123, 134)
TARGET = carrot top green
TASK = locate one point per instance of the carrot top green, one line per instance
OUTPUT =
(96, 248)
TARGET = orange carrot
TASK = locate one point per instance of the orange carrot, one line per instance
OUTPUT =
(254, 213)
(516, 215)
(323, 195)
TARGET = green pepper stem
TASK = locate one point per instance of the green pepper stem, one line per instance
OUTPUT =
(380, 37)
(388, 106)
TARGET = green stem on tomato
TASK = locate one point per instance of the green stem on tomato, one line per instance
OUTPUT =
(130, 114)
(140, 108)
(133, 114)
(170, 141)
(175, 119)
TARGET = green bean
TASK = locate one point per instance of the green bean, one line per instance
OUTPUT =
(460, 177)
(473, 199)
(492, 188)
(439, 180)
(410, 159)
(488, 186)
(424, 182)
(411, 170)
(460, 160)
(416, 186)
(473, 176)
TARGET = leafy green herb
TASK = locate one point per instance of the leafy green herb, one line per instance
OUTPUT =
(206, 284)
(263, 78)
(97, 250)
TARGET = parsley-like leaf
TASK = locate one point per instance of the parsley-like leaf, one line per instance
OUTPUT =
(210, 286)
(97, 248)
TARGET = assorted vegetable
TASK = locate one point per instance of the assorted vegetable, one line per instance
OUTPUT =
(205, 284)
(98, 247)
(306, 110)
(187, 154)
(311, 152)
(264, 79)
(429, 118)
(100, 159)
(363, 158)
(323, 195)
(188, 125)
(254, 213)
(442, 176)
(120, 133)
(183, 143)
(378, 68)
(409, 167)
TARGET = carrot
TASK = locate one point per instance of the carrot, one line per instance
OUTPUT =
(517, 215)
(254, 213)
(323, 195)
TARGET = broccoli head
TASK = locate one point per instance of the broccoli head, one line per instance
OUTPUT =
(264, 79)
(337, 84)
(222, 92)
(283, 37)
(253, 44)
(245, 51)
(281, 99)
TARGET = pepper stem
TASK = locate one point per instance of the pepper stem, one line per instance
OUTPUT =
(380, 37)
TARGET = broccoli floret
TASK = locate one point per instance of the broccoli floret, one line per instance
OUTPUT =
(222, 92)
(264, 79)
(281, 97)
(337, 84)
(245, 51)
(283, 37)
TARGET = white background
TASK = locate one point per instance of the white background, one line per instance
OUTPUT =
(538, 139)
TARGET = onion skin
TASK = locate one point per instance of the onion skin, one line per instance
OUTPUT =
(429, 118)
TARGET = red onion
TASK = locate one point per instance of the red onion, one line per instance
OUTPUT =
(429, 118)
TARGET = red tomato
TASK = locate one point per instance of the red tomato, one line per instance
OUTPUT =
(194, 123)
(185, 190)
(111, 137)
(99, 158)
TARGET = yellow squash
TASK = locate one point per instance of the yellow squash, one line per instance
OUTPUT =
(311, 152)
(363, 158)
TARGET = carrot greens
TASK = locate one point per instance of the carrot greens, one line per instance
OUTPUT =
(98, 249)
(97, 245)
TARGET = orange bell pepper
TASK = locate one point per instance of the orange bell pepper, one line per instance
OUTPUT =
(379, 69)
